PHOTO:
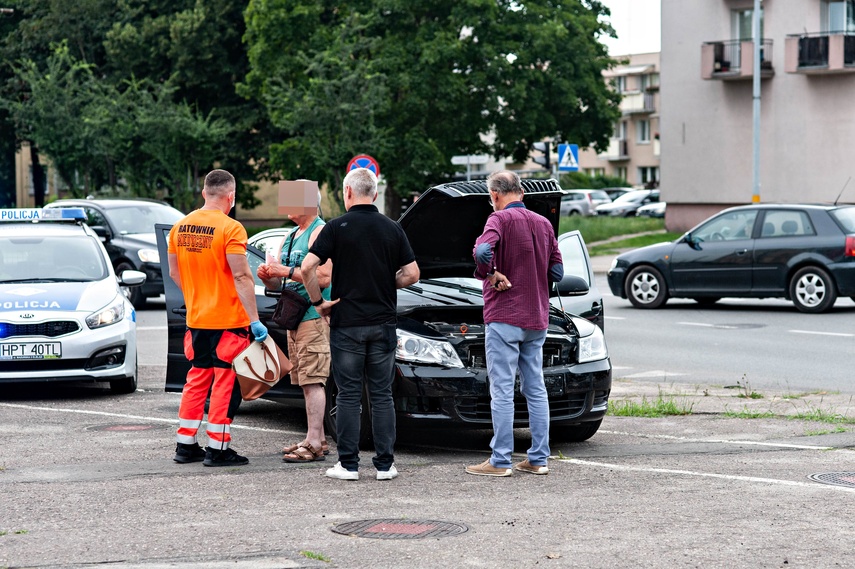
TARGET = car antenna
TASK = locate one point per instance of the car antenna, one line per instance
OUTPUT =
(841, 191)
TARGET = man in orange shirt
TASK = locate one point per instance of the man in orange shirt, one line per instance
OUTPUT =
(207, 259)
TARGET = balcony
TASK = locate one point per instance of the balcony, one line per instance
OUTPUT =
(637, 103)
(617, 151)
(734, 60)
(819, 54)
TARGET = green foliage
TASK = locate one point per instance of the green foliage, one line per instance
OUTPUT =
(315, 556)
(613, 247)
(659, 407)
(416, 83)
(580, 180)
(598, 228)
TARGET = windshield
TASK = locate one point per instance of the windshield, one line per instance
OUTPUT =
(631, 197)
(33, 259)
(140, 218)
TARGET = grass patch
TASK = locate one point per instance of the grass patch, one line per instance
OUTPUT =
(749, 414)
(315, 556)
(825, 432)
(659, 407)
(822, 416)
(597, 228)
(614, 247)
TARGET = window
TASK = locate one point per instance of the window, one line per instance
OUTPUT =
(742, 21)
(649, 80)
(647, 174)
(642, 131)
(838, 17)
(727, 227)
(620, 172)
(786, 223)
(620, 130)
(619, 83)
(595, 171)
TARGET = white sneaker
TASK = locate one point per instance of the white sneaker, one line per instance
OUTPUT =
(340, 472)
(387, 474)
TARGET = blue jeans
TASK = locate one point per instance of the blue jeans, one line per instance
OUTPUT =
(510, 348)
(364, 354)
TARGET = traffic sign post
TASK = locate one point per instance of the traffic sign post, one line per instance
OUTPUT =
(364, 161)
(568, 157)
(468, 160)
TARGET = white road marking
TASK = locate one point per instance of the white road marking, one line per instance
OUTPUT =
(615, 318)
(706, 325)
(723, 441)
(822, 333)
(654, 373)
(132, 417)
(706, 475)
(152, 328)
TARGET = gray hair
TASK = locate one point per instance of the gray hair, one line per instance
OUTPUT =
(362, 181)
(504, 182)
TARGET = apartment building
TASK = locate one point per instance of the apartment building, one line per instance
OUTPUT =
(807, 119)
(633, 152)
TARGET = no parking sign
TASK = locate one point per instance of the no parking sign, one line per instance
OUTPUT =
(364, 161)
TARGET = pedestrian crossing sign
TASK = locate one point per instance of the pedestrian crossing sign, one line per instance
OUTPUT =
(568, 157)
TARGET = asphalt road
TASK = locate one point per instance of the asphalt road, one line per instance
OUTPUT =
(87, 480)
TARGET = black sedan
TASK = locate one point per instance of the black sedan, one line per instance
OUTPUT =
(805, 253)
(440, 366)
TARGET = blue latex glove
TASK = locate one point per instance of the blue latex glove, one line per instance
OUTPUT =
(258, 330)
(484, 253)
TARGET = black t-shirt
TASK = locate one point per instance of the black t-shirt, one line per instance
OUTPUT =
(367, 249)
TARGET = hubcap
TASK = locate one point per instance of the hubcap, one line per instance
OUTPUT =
(645, 288)
(810, 290)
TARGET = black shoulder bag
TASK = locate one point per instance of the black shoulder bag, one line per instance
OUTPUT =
(291, 306)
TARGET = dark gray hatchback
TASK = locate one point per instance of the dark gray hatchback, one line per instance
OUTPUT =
(802, 252)
(440, 369)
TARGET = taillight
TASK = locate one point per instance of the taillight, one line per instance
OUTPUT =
(850, 246)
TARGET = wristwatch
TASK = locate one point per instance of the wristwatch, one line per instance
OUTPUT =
(291, 273)
(318, 302)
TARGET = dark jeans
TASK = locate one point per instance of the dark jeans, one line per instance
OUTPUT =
(364, 354)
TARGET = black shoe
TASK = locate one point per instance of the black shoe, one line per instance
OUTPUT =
(185, 453)
(228, 457)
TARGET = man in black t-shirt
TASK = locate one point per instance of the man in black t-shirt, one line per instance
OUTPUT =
(372, 259)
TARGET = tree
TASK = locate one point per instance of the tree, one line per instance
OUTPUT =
(429, 80)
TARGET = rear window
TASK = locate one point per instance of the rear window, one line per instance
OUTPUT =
(600, 196)
(845, 216)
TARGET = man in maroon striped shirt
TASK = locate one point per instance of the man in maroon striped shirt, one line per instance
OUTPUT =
(517, 258)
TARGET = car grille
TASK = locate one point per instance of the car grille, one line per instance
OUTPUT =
(47, 329)
(43, 365)
(562, 407)
(554, 354)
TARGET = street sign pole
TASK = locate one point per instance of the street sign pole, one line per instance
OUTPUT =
(755, 197)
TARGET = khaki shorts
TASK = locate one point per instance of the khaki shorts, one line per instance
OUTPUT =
(309, 351)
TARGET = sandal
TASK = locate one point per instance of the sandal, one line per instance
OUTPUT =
(325, 448)
(304, 453)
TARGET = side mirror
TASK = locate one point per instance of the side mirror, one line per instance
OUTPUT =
(102, 232)
(131, 278)
(691, 241)
(572, 285)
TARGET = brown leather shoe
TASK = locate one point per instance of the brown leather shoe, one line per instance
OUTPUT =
(487, 469)
(526, 466)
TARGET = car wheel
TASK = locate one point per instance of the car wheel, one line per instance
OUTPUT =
(574, 433)
(812, 290)
(366, 440)
(133, 294)
(125, 385)
(572, 213)
(646, 288)
(707, 300)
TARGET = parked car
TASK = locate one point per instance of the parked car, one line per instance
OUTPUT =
(582, 202)
(627, 204)
(655, 209)
(615, 193)
(126, 226)
(63, 315)
(441, 374)
(577, 262)
(805, 253)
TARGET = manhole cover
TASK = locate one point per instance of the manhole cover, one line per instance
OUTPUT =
(846, 479)
(120, 428)
(400, 529)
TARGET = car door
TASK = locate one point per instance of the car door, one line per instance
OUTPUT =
(577, 262)
(717, 256)
(177, 364)
(784, 234)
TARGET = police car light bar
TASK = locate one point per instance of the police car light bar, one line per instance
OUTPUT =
(40, 214)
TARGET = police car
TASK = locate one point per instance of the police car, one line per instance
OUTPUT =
(63, 315)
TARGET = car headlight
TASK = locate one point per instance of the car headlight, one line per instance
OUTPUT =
(413, 348)
(108, 315)
(593, 347)
(149, 256)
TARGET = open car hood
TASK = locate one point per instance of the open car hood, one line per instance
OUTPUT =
(443, 223)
